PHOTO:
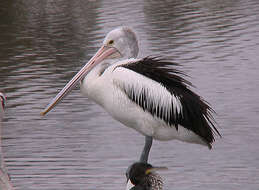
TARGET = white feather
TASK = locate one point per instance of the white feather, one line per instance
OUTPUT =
(106, 90)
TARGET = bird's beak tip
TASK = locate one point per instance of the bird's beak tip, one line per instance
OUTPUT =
(43, 113)
(155, 169)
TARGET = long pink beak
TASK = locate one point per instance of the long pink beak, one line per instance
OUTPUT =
(103, 53)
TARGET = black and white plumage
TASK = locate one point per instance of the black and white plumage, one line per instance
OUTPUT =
(148, 95)
(182, 106)
(143, 176)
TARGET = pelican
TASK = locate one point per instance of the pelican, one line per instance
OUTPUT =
(143, 176)
(149, 95)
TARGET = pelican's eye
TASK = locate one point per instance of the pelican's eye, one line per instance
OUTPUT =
(111, 42)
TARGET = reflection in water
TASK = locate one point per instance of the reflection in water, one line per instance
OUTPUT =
(78, 146)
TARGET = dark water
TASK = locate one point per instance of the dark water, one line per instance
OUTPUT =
(77, 145)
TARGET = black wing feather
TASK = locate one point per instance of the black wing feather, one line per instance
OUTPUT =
(197, 114)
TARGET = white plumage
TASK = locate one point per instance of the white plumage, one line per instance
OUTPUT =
(148, 95)
(107, 91)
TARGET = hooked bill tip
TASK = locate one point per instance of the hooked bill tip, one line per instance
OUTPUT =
(42, 113)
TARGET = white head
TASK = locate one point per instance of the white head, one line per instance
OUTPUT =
(124, 40)
(120, 43)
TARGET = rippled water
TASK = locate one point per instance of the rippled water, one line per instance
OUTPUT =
(78, 145)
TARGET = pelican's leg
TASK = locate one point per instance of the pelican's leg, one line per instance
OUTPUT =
(144, 155)
(146, 149)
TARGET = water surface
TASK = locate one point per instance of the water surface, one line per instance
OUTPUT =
(78, 145)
